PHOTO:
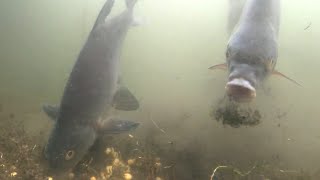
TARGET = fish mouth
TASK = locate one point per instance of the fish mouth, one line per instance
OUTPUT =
(240, 90)
(56, 167)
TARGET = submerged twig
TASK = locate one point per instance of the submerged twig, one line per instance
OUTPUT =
(157, 125)
(244, 174)
(235, 170)
(87, 165)
(307, 27)
(215, 170)
(163, 131)
(288, 171)
(34, 147)
(167, 167)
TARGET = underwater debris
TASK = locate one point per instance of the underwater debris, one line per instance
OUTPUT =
(11, 115)
(13, 174)
(156, 125)
(22, 153)
(235, 115)
(131, 162)
(263, 171)
(307, 27)
(19, 157)
(235, 170)
(137, 163)
(131, 136)
(71, 175)
(215, 170)
(127, 176)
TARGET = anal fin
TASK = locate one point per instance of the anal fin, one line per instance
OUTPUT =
(124, 100)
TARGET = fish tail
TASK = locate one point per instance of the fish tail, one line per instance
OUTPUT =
(235, 11)
(104, 12)
(130, 3)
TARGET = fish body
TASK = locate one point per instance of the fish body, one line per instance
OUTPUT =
(91, 90)
(252, 49)
(234, 13)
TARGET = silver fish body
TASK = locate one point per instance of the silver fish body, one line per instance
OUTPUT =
(90, 91)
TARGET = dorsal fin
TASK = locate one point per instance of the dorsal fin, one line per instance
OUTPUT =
(124, 100)
(104, 12)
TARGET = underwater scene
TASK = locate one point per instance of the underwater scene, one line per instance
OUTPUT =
(159, 90)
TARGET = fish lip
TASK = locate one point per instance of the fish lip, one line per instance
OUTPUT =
(58, 168)
(240, 90)
(54, 166)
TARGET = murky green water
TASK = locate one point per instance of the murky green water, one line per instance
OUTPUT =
(165, 62)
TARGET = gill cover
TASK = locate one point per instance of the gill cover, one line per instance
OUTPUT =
(67, 145)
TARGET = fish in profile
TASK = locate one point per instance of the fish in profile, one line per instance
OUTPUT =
(252, 50)
(92, 88)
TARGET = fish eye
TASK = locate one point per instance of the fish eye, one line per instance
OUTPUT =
(69, 155)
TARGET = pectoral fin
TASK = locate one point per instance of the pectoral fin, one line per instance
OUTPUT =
(124, 100)
(275, 72)
(51, 110)
(223, 66)
(116, 126)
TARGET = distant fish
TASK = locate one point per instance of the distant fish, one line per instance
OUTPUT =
(91, 90)
(252, 49)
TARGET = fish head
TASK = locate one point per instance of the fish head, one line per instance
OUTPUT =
(66, 147)
(243, 80)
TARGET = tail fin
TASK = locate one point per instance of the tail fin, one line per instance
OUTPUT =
(130, 3)
(104, 12)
